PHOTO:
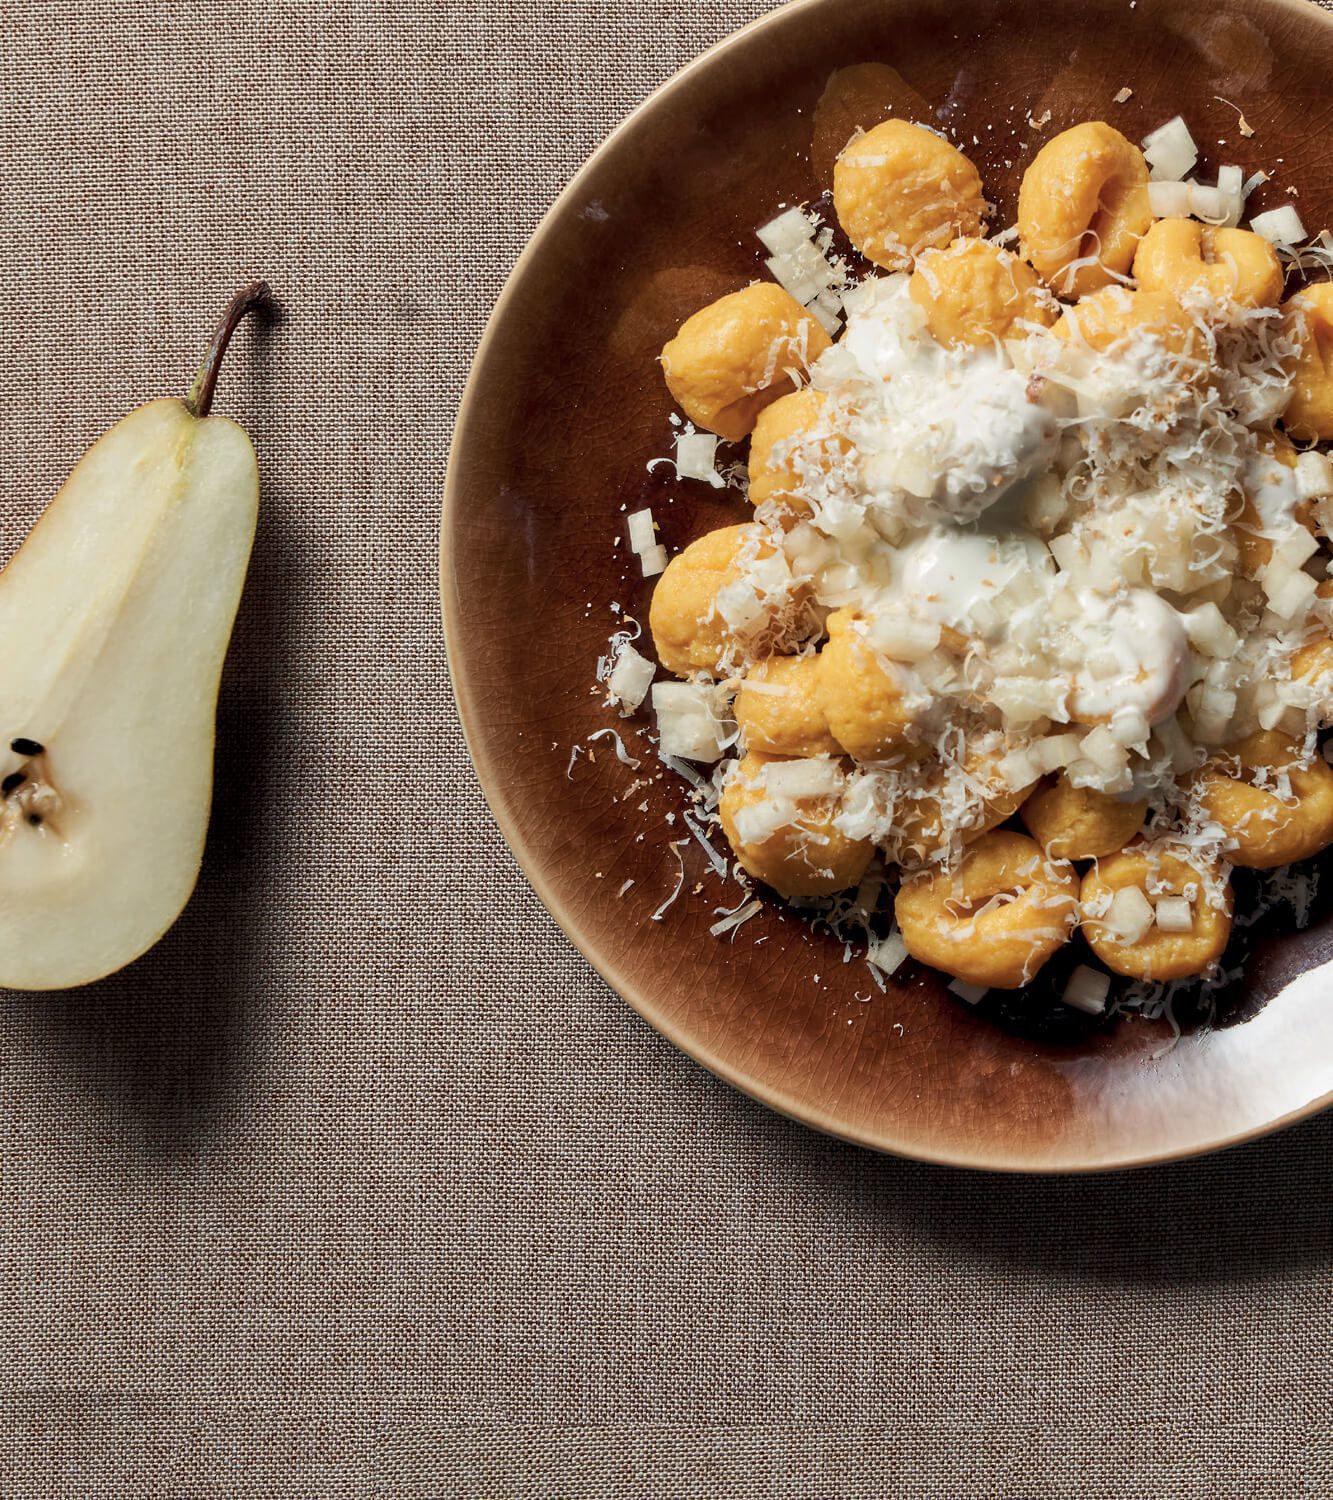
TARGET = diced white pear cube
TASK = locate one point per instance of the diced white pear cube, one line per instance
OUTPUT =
(1295, 549)
(973, 994)
(642, 531)
(1174, 914)
(696, 457)
(1209, 633)
(1101, 747)
(630, 679)
(903, 638)
(1131, 915)
(785, 232)
(803, 779)
(1086, 990)
(1314, 475)
(653, 561)
(1055, 751)
(687, 727)
(1290, 591)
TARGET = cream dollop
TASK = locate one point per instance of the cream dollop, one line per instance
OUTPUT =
(1137, 659)
(942, 433)
(944, 572)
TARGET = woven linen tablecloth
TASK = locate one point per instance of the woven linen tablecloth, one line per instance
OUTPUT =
(363, 1183)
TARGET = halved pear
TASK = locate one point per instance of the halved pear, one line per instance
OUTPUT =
(117, 610)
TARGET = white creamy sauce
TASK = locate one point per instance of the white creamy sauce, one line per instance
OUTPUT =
(944, 571)
(1019, 528)
(1038, 542)
(942, 433)
(1136, 657)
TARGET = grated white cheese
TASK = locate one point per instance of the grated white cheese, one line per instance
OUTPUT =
(622, 755)
(732, 921)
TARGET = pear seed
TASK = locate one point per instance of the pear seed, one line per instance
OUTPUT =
(12, 782)
(23, 746)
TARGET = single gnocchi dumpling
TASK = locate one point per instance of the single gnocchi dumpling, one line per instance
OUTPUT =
(865, 697)
(978, 797)
(738, 354)
(1130, 932)
(793, 442)
(1108, 319)
(1083, 207)
(713, 607)
(1309, 414)
(779, 817)
(975, 293)
(901, 189)
(995, 920)
(1073, 822)
(779, 709)
(1231, 265)
(1275, 805)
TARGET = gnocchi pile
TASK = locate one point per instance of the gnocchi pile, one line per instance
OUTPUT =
(1028, 623)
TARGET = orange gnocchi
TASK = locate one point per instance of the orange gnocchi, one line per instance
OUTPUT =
(689, 626)
(1309, 414)
(995, 920)
(1232, 265)
(1274, 803)
(787, 836)
(1136, 943)
(900, 189)
(1014, 562)
(1072, 822)
(1083, 208)
(780, 711)
(975, 292)
(865, 697)
(790, 440)
(739, 354)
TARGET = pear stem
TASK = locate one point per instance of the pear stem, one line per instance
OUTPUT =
(199, 401)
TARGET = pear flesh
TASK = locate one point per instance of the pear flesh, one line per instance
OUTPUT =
(117, 611)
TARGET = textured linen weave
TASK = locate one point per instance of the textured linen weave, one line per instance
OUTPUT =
(363, 1183)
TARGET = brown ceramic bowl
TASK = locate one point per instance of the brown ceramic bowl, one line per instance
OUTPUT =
(563, 412)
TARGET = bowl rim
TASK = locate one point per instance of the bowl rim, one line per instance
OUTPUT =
(493, 784)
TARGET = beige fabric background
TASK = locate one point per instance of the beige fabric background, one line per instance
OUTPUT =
(363, 1183)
